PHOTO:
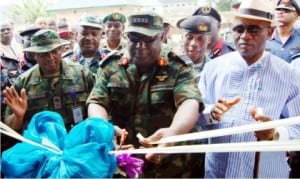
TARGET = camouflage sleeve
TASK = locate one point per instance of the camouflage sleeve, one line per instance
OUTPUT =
(186, 87)
(89, 78)
(100, 94)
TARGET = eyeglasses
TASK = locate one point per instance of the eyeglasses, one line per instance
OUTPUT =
(252, 29)
(284, 10)
(136, 37)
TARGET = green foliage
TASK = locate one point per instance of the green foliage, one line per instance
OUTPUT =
(27, 11)
(223, 5)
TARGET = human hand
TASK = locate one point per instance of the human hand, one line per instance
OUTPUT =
(146, 142)
(258, 115)
(222, 106)
(17, 104)
(22, 60)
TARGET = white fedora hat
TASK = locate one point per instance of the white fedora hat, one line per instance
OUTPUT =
(255, 9)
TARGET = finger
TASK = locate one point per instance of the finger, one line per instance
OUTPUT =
(14, 92)
(118, 131)
(234, 101)
(7, 93)
(23, 94)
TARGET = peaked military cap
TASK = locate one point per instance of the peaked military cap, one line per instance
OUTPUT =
(149, 24)
(196, 24)
(45, 40)
(115, 17)
(208, 11)
(91, 21)
(288, 4)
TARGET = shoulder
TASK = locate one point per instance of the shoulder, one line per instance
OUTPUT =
(182, 59)
(110, 57)
(228, 46)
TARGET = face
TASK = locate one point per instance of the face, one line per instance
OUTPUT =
(250, 37)
(41, 22)
(89, 39)
(49, 62)
(195, 46)
(114, 30)
(144, 50)
(52, 25)
(6, 33)
(285, 16)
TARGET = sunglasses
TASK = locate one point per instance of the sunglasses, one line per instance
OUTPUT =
(284, 10)
(136, 37)
(252, 29)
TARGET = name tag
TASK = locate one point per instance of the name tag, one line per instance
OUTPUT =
(77, 114)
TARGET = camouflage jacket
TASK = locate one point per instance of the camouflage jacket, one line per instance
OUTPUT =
(67, 96)
(147, 103)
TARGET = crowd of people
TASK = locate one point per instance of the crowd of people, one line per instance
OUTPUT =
(135, 78)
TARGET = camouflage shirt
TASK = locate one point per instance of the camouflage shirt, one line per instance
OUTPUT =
(66, 95)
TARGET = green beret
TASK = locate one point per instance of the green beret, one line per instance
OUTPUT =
(115, 17)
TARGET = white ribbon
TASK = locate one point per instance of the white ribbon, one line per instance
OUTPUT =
(229, 131)
(262, 146)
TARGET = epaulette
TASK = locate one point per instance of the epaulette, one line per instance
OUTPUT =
(183, 58)
(109, 56)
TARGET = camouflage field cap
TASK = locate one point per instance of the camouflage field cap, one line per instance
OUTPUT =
(196, 25)
(149, 24)
(115, 17)
(45, 40)
(91, 21)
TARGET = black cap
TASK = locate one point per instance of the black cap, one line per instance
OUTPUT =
(196, 24)
(30, 30)
(208, 11)
(288, 4)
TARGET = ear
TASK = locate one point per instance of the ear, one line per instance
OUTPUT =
(270, 31)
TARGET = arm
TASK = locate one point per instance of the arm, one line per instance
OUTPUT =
(96, 110)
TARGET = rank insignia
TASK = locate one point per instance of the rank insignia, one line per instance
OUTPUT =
(161, 78)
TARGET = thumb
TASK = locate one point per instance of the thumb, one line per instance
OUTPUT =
(256, 112)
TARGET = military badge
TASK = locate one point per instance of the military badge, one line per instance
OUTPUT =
(116, 16)
(205, 10)
(202, 27)
(161, 78)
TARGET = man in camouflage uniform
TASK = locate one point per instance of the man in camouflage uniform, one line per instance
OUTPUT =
(89, 35)
(53, 84)
(114, 28)
(150, 94)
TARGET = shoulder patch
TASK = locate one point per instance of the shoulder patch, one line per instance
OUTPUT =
(183, 58)
(109, 57)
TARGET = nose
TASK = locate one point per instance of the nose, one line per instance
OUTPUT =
(245, 34)
(141, 44)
